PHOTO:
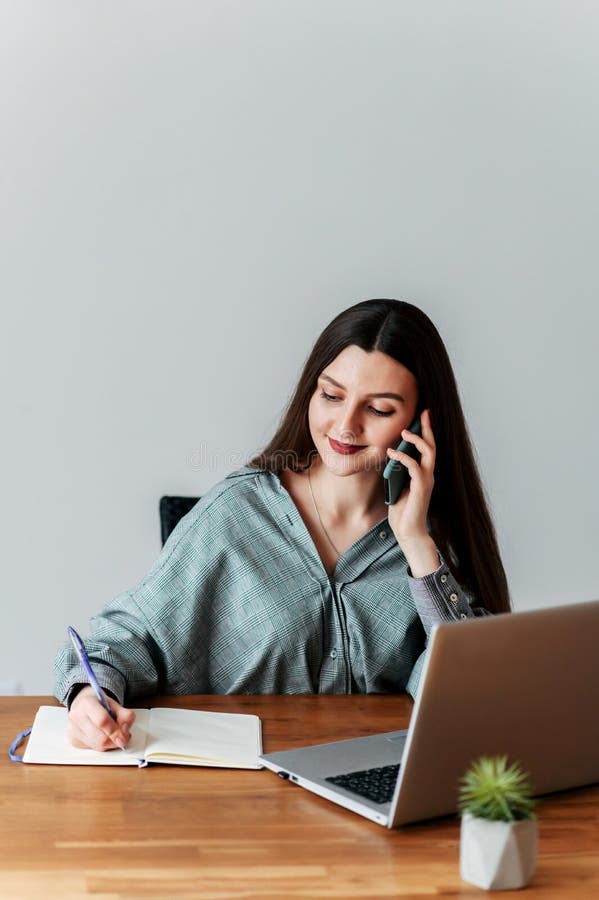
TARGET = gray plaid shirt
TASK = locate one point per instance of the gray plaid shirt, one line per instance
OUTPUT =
(239, 602)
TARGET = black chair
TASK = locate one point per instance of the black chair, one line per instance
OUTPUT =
(171, 510)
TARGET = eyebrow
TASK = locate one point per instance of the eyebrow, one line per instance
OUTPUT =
(389, 395)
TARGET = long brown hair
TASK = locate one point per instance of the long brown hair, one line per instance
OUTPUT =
(459, 517)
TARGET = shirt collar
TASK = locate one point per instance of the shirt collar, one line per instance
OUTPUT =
(351, 564)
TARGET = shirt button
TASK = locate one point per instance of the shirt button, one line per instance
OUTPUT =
(333, 654)
(453, 598)
(443, 578)
(383, 535)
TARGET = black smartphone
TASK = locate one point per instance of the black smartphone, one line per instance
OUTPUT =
(396, 476)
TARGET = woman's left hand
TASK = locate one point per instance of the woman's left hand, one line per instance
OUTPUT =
(408, 515)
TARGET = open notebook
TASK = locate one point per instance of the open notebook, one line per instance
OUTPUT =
(180, 737)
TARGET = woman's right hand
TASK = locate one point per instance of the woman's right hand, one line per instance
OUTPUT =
(90, 725)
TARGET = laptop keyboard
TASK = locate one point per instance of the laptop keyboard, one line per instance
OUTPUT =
(374, 784)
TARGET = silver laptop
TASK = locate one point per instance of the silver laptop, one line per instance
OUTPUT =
(523, 684)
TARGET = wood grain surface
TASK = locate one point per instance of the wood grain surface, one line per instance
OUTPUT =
(166, 832)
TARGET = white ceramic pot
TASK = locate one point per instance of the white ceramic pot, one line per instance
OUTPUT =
(498, 855)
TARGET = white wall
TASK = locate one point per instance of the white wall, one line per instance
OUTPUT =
(190, 190)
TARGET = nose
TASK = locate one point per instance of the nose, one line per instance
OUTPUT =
(349, 426)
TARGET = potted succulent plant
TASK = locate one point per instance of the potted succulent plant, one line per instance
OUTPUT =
(498, 841)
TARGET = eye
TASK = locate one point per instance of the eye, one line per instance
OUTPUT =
(380, 412)
(326, 396)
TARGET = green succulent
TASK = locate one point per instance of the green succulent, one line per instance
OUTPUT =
(492, 790)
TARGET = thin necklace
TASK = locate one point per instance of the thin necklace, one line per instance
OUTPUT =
(318, 514)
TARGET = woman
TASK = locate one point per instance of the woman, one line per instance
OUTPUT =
(292, 575)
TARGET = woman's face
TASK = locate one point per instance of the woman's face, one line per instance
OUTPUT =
(361, 404)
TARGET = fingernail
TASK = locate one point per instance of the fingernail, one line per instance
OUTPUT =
(125, 729)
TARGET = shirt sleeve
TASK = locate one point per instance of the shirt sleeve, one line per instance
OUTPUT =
(139, 644)
(122, 651)
(438, 598)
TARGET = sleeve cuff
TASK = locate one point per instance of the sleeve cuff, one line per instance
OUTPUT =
(109, 680)
(439, 598)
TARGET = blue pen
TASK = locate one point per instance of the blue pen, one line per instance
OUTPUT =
(84, 660)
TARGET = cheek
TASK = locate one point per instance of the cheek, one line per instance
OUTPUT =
(315, 416)
(320, 414)
(390, 436)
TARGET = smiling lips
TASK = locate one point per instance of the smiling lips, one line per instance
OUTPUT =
(345, 449)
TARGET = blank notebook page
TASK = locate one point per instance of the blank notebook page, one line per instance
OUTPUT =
(214, 738)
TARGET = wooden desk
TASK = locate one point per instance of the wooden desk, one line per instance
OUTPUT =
(165, 832)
